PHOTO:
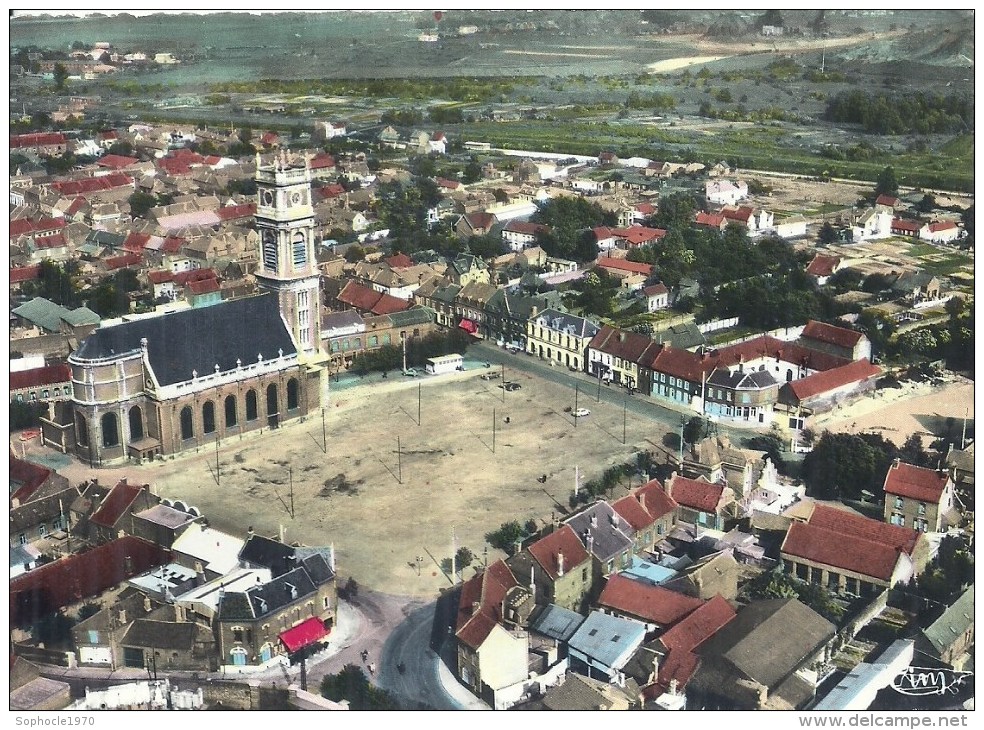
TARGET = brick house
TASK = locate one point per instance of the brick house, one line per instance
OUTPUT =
(560, 567)
(919, 498)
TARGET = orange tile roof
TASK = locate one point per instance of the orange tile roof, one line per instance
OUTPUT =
(827, 380)
(697, 494)
(546, 551)
(915, 482)
(649, 603)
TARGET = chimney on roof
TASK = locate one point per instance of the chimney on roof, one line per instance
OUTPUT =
(642, 499)
(896, 462)
(199, 574)
(146, 605)
(614, 519)
(179, 613)
(560, 563)
(594, 520)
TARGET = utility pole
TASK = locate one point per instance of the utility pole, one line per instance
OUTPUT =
(683, 422)
(324, 431)
(404, 354)
(623, 418)
(399, 461)
(963, 434)
(577, 478)
(290, 477)
(599, 384)
(418, 403)
(503, 382)
(575, 403)
(217, 476)
(493, 430)
(454, 550)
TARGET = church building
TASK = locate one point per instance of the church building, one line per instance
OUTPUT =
(154, 386)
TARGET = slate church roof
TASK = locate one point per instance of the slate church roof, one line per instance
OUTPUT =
(199, 339)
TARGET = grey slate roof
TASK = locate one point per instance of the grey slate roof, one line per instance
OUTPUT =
(235, 606)
(567, 323)
(169, 635)
(259, 551)
(348, 318)
(953, 623)
(279, 592)
(199, 339)
(769, 640)
(415, 315)
(755, 379)
(681, 336)
(608, 540)
(557, 622)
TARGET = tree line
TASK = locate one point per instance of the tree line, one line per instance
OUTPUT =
(914, 113)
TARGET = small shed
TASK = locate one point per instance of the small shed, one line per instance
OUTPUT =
(445, 364)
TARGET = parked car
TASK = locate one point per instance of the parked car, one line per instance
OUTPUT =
(490, 376)
(510, 386)
(411, 373)
(581, 413)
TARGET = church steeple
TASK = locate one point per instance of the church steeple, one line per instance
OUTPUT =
(285, 223)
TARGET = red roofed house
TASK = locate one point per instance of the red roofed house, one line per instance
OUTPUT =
(126, 261)
(676, 375)
(20, 274)
(631, 274)
(702, 503)
(823, 391)
(711, 220)
(887, 201)
(270, 139)
(474, 224)
(654, 606)
(839, 341)
(520, 235)
(490, 656)
(560, 567)
(657, 297)
(650, 511)
(112, 518)
(116, 162)
(823, 267)
(369, 301)
(906, 227)
(44, 143)
(49, 383)
(39, 502)
(616, 354)
(919, 498)
(755, 221)
(848, 553)
(75, 578)
(940, 232)
(677, 647)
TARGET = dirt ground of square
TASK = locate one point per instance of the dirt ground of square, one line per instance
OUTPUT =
(450, 476)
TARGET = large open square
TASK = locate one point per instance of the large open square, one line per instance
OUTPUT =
(383, 508)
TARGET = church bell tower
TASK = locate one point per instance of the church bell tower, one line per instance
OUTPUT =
(287, 267)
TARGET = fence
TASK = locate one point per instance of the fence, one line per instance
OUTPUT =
(717, 324)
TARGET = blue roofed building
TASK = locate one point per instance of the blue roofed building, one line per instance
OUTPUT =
(603, 645)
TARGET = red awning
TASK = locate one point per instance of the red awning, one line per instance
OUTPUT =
(304, 634)
(468, 326)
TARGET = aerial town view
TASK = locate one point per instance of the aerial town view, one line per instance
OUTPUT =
(492, 360)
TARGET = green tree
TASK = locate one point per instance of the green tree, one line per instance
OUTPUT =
(55, 282)
(696, 429)
(61, 75)
(352, 684)
(886, 183)
(141, 203)
(828, 234)
(472, 172)
(841, 465)
(506, 537)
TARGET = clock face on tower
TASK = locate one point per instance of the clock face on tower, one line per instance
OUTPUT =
(295, 198)
(267, 197)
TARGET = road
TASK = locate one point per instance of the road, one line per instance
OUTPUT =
(637, 404)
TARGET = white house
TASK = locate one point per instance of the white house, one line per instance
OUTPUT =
(657, 297)
(520, 234)
(940, 232)
(791, 227)
(438, 143)
(874, 223)
(724, 192)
